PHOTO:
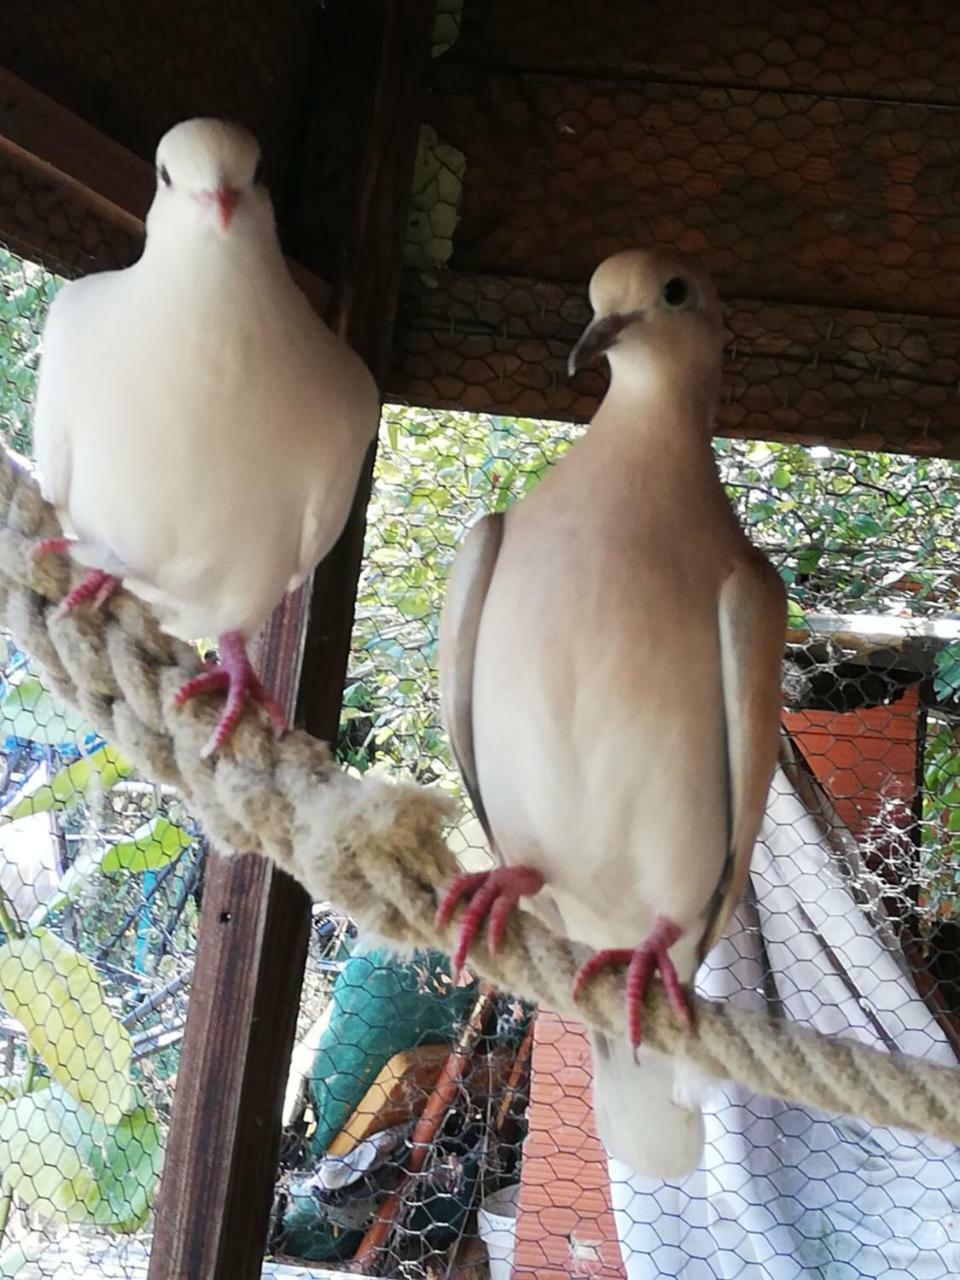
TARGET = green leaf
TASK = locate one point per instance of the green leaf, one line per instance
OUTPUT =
(152, 846)
(796, 618)
(866, 526)
(70, 1165)
(29, 711)
(98, 771)
(55, 992)
(781, 477)
(946, 680)
(808, 559)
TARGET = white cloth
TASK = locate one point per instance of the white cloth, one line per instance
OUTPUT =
(785, 1192)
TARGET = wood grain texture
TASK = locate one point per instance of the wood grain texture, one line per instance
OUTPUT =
(823, 375)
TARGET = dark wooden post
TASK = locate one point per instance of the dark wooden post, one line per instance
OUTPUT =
(214, 1203)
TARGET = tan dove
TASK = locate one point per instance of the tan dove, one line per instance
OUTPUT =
(610, 655)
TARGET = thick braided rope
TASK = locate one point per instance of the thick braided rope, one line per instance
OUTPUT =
(376, 848)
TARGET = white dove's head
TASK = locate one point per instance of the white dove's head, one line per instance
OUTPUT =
(652, 304)
(208, 173)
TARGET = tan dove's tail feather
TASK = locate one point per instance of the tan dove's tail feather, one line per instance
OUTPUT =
(638, 1120)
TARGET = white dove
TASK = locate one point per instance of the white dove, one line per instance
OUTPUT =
(610, 655)
(198, 427)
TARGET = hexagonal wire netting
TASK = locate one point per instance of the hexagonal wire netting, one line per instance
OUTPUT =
(850, 919)
(101, 878)
(849, 922)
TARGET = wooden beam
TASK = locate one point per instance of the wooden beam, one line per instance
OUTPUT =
(212, 1217)
(47, 223)
(821, 375)
(902, 52)
(62, 170)
(73, 155)
(789, 196)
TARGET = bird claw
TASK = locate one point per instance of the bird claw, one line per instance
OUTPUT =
(643, 961)
(235, 674)
(492, 896)
(51, 546)
(95, 585)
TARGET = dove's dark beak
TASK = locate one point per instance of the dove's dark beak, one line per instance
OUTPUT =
(227, 199)
(600, 335)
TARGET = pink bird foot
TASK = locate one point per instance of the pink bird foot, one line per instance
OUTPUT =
(493, 895)
(235, 674)
(643, 961)
(95, 585)
(52, 546)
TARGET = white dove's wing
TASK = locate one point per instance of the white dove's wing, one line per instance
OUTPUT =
(52, 443)
(352, 401)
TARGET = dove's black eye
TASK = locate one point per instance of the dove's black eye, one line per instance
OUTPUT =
(676, 291)
(165, 175)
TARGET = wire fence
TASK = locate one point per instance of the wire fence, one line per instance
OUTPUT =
(850, 921)
(430, 1127)
(101, 880)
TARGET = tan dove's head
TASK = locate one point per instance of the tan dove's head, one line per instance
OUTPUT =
(652, 305)
(208, 171)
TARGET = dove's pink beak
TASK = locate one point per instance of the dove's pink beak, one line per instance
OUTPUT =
(227, 199)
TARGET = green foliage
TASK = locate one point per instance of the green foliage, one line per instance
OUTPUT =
(68, 1164)
(27, 290)
(946, 680)
(154, 845)
(77, 1140)
(85, 778)
(940, 849)
(851, 532)
(29, 711)
(55, 993)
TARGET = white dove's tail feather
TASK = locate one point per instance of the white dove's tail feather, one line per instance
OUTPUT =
(638, 1120)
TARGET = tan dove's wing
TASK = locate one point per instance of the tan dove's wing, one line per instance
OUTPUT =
(459, 626)
(752, 625)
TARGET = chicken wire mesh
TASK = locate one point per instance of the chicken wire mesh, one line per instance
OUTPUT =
(812, 153)
(135, 80)
(101, 879)
(809, 152)
(850, 922)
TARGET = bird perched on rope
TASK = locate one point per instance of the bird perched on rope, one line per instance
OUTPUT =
(198, 427)
(610, 655)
